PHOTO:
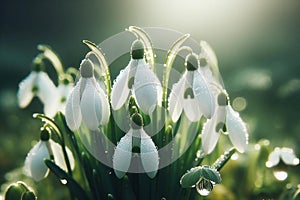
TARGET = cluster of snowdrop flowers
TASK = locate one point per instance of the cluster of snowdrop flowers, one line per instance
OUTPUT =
(39, 84)
(168, 122)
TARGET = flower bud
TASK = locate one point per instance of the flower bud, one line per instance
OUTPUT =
(222, 99)
(29, 195)
(15, 191)
(86, 68)
(137, 50)
(191, 62)
(45, 135)
(136, 121)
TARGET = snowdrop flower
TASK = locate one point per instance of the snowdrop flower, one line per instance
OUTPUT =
(285, 154)
(191, 94)
(45, 149)
(235, 127)
(38, 83)
(87, 102)
(140, 80)
(136, 138)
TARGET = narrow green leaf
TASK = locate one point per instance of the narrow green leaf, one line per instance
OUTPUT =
(73, 186)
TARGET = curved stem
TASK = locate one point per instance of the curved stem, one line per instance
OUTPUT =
(171, 55)
(55, 128)
(103, 62)
(145, 38)
(52, 57)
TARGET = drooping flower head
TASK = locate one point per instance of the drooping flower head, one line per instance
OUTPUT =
(138, 79)
(87, 102)
(191, 94)
(45, 149)
(38, 83)
(136, 138)
(224, 115)
(287, 155)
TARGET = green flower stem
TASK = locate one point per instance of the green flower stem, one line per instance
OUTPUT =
(59, 132)
(223, 159)
(103, 63)
(49, 54)
(171, 55)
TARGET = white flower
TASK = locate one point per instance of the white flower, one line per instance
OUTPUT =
(140, 80)
(34, 162)
(136, 138)
(87, 101)
(38, 84)
(287, 155)
(191, 94)
(236, 128)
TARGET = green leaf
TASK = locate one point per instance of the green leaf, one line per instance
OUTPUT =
(73, 186)
(190, 178)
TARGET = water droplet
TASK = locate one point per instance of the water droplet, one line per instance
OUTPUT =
(64, 181)
(204, 187)
(280, 175)
(106, 152)
(110, 173)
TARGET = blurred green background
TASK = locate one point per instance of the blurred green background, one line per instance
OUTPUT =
(257, 44)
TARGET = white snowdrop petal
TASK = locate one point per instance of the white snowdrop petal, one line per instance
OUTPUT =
(274, 157)
(122, 155)
(203, 95)
(34, 162)
(236, 129)
(105, 112)
(59, 156)
(91, 108)
(191, 109)
(63, 91)
(211, 130)
(288, 156)
(176, 99)
(120, 90)
(25, 93)
(149, 155)
(147, 88)
(73, 112)
(47, 92)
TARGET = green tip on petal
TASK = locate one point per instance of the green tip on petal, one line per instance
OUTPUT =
(45, 135)
(191, 63)
(87, 68)
(137, 50)
(136, 121)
